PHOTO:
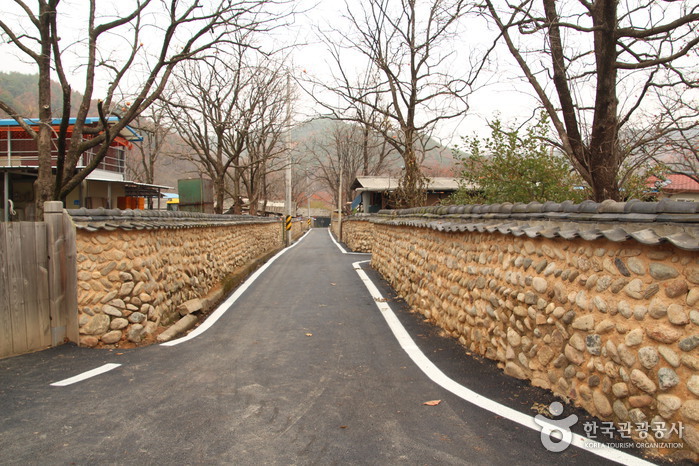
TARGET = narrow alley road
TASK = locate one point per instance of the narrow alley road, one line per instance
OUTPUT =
(301, 369)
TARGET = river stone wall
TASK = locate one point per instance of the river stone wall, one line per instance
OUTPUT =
(358, 235)
(137, 269)
(601, 306)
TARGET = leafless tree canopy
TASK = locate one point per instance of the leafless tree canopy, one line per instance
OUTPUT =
(597, 67)
(116, 42)
(265, 146)
(231, 111)
(410, 83)
(345, 150)
(156, 131)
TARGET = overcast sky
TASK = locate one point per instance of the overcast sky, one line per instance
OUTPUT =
(311, 58)
(498, 93)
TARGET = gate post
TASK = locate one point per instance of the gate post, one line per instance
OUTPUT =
(62, 274)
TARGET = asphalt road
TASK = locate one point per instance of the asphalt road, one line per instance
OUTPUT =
(302, 369)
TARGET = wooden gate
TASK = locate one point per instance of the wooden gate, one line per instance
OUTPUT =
(38, 283)
(25, 323)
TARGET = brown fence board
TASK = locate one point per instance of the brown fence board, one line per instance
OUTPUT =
(36, 312)
(17, 300)
(27, 254)
(42, 291)
(24, 309)
(5, 316)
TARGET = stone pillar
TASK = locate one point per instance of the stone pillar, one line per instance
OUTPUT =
(62, 274)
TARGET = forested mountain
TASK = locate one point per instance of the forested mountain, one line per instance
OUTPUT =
(437, 161)
(21, 91)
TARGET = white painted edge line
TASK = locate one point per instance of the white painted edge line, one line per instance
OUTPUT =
(437, 376)
(343, 250)
(224, 306)
(85, 375)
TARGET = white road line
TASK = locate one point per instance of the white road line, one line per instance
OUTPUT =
(437, 376)
(343, 250)
(223, 307)
(86, 375)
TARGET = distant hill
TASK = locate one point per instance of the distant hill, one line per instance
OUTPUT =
(438, 160)
(21, 91)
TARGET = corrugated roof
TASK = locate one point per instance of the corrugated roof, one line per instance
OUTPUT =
(389, 183)
(127, 133)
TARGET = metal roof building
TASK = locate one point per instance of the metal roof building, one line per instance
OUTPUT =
(373, 192)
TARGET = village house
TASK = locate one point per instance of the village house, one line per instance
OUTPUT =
(675, 186)
(373, 193)
(106, 186)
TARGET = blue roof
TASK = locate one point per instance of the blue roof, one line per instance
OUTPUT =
(71, 121)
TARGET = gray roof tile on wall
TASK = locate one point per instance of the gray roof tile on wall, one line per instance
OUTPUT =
(113, 219)
(649, 223)
(616, 234)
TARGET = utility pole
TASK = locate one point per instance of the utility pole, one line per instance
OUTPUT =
(339, 205)
(287, 202)
(308, 197)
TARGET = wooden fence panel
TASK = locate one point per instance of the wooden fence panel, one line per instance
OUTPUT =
(35, 284)
(5, 309)
(18, 320)
(24, 305)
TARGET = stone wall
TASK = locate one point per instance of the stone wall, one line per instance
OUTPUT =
(136, 272)
(599, 310)
(299, 226)
(358, 234)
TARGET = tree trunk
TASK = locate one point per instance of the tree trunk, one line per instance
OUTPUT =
(604, 151)
(365, 150)
(219, 189)
(410, 192)
(45, 181)
(237, 198)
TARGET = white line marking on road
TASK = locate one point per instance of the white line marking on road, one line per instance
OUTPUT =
(224, 306)
(343, 250)
(437, 376)
(85, 375)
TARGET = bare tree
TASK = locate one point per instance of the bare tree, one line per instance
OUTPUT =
(231, 112)
(410, 88)
(113, 43)
(208, 109)
(265, 145)
(157, 132)
(593, 66)
(678, 147)
(338, 153)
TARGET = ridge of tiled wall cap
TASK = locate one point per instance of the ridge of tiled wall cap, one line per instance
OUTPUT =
(588, 207)
(611, 207)
(112, 219)
(668, 206)
(570, 206)
(550, 206)
(555, 209)
(519, 208)
(535, 208)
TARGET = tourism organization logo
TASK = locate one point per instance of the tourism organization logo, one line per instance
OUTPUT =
(556, 435)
